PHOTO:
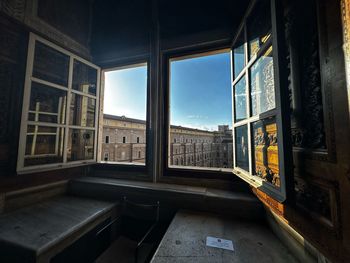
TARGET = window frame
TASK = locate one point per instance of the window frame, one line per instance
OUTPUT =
(124, 170)
(186, 172)
(29, 78)
(281, 112)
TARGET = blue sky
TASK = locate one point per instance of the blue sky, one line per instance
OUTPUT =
(200, 93)
(125, 92)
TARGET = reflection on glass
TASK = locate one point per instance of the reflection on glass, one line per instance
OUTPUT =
(239, 55)
(240, 100)
(44, 145)
(47, 104)
(84, 78)
(50, 65)
(80, 145)
(82, 111)
(259, 26)
(262, 84)
(241, 141)
(266, 151)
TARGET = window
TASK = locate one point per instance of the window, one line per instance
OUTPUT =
(106, 157)
(59, 120)
(199, 106)
(125, 101)
(107, 139)
(257, 96)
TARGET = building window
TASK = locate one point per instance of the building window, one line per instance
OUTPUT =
(139, 154)
(59, 124)
(195, 81)
(107, 139)
(125, 108)
(106, 157)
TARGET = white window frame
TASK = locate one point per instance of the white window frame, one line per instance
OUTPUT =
(33, 38)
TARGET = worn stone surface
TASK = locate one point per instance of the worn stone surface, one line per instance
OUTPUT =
(185, 241)
(39, 227)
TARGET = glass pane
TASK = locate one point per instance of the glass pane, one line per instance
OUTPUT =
(125, 114)
(44, 145)
(80, 145)
(239, 55)
(50, 65)
(262, 84)
(47, 104)
(259, 26)
(266, 151)
(84, 78)
(240, 100)
(82, 111)
(241, 141)
(200, 112)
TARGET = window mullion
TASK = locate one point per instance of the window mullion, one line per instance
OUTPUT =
(69, 97)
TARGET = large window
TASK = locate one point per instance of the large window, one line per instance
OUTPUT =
(59, 117)
(200, 133)
(257, 111)
(124, 115)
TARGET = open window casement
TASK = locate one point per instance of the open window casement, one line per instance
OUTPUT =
(60, 109)
(261, 124)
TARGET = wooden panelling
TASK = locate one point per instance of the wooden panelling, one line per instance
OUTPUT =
(320, 127)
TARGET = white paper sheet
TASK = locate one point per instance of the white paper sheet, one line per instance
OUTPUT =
(220, 243)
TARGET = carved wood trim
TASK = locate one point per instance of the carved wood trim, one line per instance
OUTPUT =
(13, 8)
(318, 83)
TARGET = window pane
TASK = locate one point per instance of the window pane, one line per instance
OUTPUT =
(47, 104)
(239, 56)
(200, 112)
(50, 65)
(84, 78)
(124, 119)
(240, 100)
(44, 145)
(80, 145)
(82, 111)
(241, 141)
(262, 84)
(266, 151)
(259, 26)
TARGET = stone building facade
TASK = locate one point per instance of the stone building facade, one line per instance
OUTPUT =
(124, 140)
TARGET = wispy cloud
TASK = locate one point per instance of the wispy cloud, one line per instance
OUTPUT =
(197, 117)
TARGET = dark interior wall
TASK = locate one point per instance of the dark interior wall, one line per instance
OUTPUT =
(62, 28)
(13, 46)
(70, 17)
(186, 23)
(122, 29)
